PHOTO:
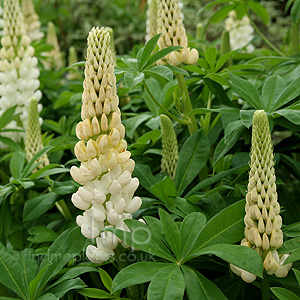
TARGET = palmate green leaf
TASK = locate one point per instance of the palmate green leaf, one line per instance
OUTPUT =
(246, 117)
(272, 88)
(41, 234)
(199, 287)
(221, 13)
(225, 227)
(95, 293)
(190, 229)
(165, 190)
(106, 279)
(192, 158)
(294, 256)
(217, 78)
(147, 50)
(246, 90)
(16, 164)
(132, 63)
(177, 70)
(223, 59)
(143, 238)
(243, 257)
(292, 230)
(171, 232)
(284, 294)
(289, 93)
(10, 143)
(289, 246)
(162, 71)
(167, 284)
(132, 79)
(261, 11)
(133, 123)
(47, 296)
(11, 273)
(137, 273)
(8, 116)
(297, 274)
(37, 206)
(160, 54)
(155, 225)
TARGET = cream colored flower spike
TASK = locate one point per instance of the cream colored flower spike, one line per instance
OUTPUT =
(170, 25)
(33, 139)
(31, 19)
(18, 68)
(151, 22)
(262, 220)
(105, 172)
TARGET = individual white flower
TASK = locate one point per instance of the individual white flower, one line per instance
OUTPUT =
(241, 32)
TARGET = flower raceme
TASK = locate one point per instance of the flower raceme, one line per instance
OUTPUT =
(169, 24)
(18, 67)
(105, 171)
(262, 220)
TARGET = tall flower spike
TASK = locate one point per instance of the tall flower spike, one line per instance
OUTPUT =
(105, 171)
(31, 20)
(151, 22)
(18, 67)
(169, 24)
(1, 20)
(54, 59)
(33, 138)
(72, 59)
(169, 146)
(262, 220)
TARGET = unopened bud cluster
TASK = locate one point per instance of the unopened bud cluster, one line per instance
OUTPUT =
(169, 24)
(105, 171)
(262, 220)
(169, 146)
(31, 20)
(151, 22)
(18, 67)
(33, 138)
(241, 32)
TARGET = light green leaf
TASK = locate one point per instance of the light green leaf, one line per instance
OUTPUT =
(246, 117)
(106, 279)
(66, 286)
(16, 164)
(295, 11)
(290, 114)
(167, 284)
(162, 71)
(95, 293)
(137, 273)
(133, 79)
(165, 190)
(133, 123)
(210, 56)
(259, 10)
(147, 50)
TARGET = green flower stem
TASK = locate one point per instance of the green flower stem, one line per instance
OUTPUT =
(185, 122)
(295, 38)
(132, 291)
(265, 287)
(186, 103)
(269, 43)
(207, 115)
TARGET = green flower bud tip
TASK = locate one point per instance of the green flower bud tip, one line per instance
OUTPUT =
(33, 139)
(262, 220)
(169, 146)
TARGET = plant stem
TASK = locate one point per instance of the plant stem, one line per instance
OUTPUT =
(265, 291)
(185, 122)
(186, 103)
(295, 38)
(121, 258)
(265, 39)
(208, 115)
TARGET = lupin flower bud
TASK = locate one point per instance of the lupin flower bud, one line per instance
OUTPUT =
(31, 20)
(72, 59)
(107, 195)
(263, 222)
(169, 146)
(33, 138)
(151, 22)
(54, 57)
(169, 24)
(18, 67)
(1, 20)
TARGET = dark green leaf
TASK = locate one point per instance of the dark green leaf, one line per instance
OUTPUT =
(16, 164)
(41, 234)
(95, 293)
(165, 190)
(284, 294)
(145, 176)
(246, 117)
(147, 50)
(199, 287)
(66, 286)
(37, 206)
(192, 158)
(210, 56)
(290, 114)
(162, 71)
(133, 123)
